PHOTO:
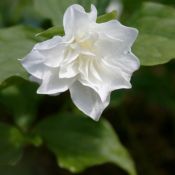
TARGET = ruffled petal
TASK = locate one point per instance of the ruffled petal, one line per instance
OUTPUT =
(33, 63)
(70, 56)
(93, 13)
(48, 44)
(115, 30)
(104, 78)
(87, 100)
(53, 57)
(52, 51)
(76, 20)
(128, 63)
(106, 47)
(52, 84)
(68, 71)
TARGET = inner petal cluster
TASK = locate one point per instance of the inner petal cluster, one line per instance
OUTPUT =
(79, 55)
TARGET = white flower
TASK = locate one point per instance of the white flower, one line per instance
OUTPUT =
(91, 60)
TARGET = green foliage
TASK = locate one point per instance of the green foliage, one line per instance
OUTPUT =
(79, 143)
(156, 40)
(19, 97)
(19, 11)
(15, 43)
(11, 144)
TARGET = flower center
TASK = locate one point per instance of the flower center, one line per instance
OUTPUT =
(84, 44)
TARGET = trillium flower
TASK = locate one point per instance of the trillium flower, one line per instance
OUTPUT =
(90, 60)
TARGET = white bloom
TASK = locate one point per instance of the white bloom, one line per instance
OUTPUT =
(91, 60)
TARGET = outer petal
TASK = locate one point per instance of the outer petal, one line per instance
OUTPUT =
(128, 63)
(52, 84)
(53, 57)
(33, 63)
(87, 100)
(52, 51)
(93, 13)
(50, 43)
(104, 77)
(44, 54)
(106, 47)
(76, 19)
(115, 30)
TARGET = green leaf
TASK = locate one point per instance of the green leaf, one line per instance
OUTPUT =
(56, 30)
(79, 143)
(15, 43)
(156, 40)
(107, 17)
(20, 98)
(11, 144)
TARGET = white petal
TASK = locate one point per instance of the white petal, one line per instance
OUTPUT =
(50, 43)
(52, 84)
(106, 47)
(93, 13)
(87, 100)
(76, 20)
(128, 63)
(52, 51)
(104, 78)
(53, 57)
(70, 56)
(69, 70)
(33, 63)
(114, 77)
(115, 30)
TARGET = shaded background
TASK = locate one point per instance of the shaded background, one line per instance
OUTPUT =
(143, 117)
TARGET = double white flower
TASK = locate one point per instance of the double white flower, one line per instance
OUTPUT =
(91, 60)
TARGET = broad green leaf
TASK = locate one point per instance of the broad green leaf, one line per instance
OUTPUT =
(54, 9)
(20, 99)
(79, 143)
(11, 141)
(15, 43)
(156, 40)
